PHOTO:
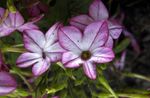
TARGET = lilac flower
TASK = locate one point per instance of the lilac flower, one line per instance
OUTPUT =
(98, 12)
(42, 50)
(87, 48)
(120, 63)
(13, 21)
(37, 8)
(7, 82)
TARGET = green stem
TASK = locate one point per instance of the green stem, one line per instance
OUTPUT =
(105, 83)
(134, 75)
(13, 49)
(107, 95)
(23, 78)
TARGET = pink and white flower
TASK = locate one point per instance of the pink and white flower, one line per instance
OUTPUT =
(42, 50)
(87, 48)
(13, 21)
(7, 82)
(98, 12)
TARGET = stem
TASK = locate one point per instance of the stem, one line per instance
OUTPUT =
(134, 75)
(13, 49)
(107, 95)
(105, 83)
(23, 78)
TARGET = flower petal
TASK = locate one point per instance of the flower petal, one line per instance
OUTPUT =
(70, 38)
(95, 35)
(27, 26)
(109, 42)
(73, 63)
(81, 21)
(89, 69)
(69, 56)
(98, 11)
(51, 35)
(102, 55)
(7, 83)
(34, 40)
(54, 57)
(114, 29)
(16, 19)
(2, 11)
(28, 59)
(40, 67)
(6, 31)
(55, 48)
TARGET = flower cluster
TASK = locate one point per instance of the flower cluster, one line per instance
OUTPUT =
(87, 41)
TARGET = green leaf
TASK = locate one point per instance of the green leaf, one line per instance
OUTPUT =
(11, 6)
(122, 45)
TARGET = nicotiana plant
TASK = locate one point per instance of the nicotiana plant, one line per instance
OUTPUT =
(61, 56)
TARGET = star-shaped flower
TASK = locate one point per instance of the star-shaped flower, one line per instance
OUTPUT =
(9, 22)
(98, 12)
(42, 50)
(87, 48)
(7, 82)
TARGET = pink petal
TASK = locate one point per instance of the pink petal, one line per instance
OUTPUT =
(109, 42)
(69, 56)
(81, 21)
(16, 19)
(95, 35)
(70, 38)
(40, 67)
(98, 11)
(55, 48)
(102, 55)
(28, 59)
(34, 40)
(134, 42)
(7, 83)
(119, 63)
(27, 26)
(73, 63)
(2, 11)
(90, 70)
(51, 35)
(54, 57)
(115, 29)
(6, 31)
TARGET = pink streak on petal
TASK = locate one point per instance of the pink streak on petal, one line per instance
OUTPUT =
(52, 34)
(102, 55)
(73, 63)
(27, 59)
(98, 11)
(90, 70)
(34, 38)
(95, 35)
(109, 42)
(16, 19)
(81, 21)
(7, 83)
(70, 38)
(115, 29)
(40, 67)
(68, 56)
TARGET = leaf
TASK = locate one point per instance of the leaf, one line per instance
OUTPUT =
(122, 45)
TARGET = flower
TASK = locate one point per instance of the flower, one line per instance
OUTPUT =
(36, 8)
(42, 50)
(7, 82)
(98, 12)
(120, 63)
(87, 48)
(13, 21)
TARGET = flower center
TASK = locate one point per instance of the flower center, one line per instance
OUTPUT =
(44, 55)
(85, 55)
